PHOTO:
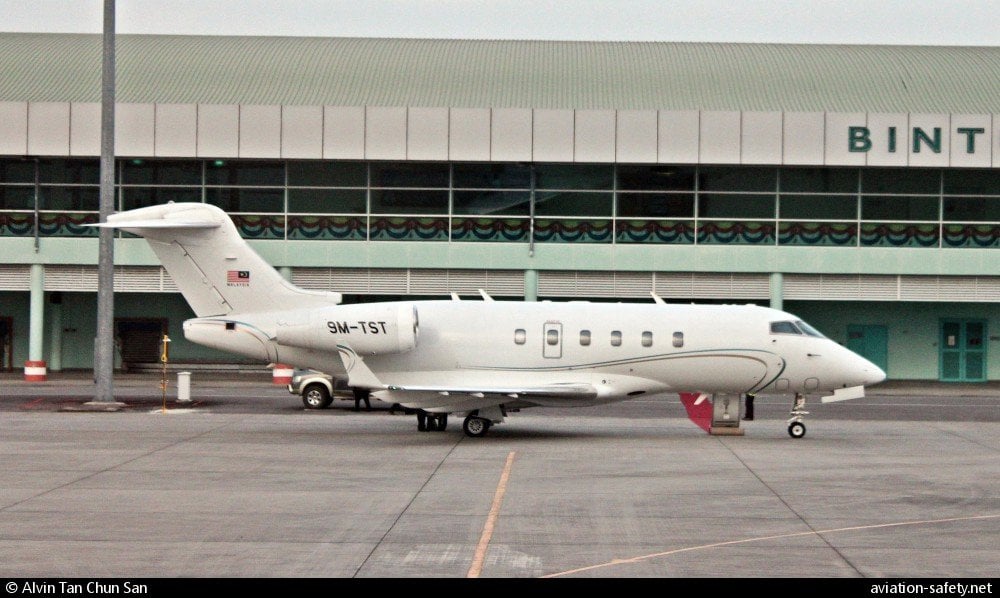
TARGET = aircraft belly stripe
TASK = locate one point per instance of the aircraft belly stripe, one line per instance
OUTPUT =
(636, 360)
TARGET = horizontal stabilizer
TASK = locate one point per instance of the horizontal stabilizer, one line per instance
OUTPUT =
(126, 224)
(845, 394)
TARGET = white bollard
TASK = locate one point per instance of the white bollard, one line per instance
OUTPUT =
(183, 387)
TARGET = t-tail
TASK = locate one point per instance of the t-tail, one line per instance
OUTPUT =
(215, 269)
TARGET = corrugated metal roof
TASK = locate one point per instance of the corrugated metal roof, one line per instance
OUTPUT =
(504, 74)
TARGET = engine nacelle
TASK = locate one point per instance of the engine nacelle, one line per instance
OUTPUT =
(369, 328)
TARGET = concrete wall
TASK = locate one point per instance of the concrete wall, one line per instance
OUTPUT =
(509, 134)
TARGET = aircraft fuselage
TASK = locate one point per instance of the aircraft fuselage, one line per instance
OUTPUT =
(622, 349)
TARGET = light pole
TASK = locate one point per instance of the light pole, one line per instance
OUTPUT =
(104, 358)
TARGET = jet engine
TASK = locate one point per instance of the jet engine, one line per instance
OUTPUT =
(368, 329)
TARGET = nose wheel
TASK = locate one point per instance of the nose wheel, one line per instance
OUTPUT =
(796, 427)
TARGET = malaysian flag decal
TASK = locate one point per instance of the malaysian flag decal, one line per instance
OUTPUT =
(238, 278)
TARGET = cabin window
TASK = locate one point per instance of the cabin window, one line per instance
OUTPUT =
(552, 337)
(647, 339)
(585, 338)
(678, 339)
(520, 336)
(616, 338)
(784, 328)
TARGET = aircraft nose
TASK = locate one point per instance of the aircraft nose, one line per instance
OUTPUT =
(872, 373)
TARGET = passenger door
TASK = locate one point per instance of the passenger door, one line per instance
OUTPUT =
(552, 340)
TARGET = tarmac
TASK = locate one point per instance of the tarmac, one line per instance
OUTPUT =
(242, 482)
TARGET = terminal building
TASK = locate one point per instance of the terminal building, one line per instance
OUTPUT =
(857, 187)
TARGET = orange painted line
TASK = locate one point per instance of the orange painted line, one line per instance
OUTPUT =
(491, 520)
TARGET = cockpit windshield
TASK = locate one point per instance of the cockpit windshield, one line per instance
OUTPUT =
(797, 327)
(809, 329)
(784, 328)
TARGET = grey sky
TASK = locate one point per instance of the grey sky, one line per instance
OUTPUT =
(918, 22)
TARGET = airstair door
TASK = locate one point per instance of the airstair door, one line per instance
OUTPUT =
(552, 339)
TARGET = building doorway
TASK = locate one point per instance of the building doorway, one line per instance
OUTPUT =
(871, 342)
(963, 350)
(6, 343)
(140, 340)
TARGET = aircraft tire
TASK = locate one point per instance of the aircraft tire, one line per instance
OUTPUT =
(796, 429)
(476, 427)
(316, 396)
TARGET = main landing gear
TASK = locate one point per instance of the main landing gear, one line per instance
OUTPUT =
(431, 422)
(476, 423)
(475, 426)
(796, 428)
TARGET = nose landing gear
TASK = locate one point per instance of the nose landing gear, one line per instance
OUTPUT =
(796, 427)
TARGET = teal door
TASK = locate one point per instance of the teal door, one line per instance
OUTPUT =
(963, 350)
(870, 342)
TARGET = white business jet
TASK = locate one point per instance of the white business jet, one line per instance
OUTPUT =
(483, 359)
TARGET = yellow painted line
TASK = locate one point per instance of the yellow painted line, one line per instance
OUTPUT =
(762, 539)
(491, 520)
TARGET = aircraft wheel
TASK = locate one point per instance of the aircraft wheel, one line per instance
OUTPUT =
(797, 429)
(422, 420)
(316, 396)
(475, 426)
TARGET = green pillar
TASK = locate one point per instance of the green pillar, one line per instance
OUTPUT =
(36, 317)
(55, 332)
(531, 285)
(777, 284)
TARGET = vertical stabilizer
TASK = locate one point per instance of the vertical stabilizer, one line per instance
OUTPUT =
(216, 270)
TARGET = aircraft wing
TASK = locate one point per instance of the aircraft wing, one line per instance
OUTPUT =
(551, 391)
(459, 398)
(466, 398)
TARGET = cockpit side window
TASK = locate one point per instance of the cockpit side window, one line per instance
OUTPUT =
(784, 328)
(809, 329)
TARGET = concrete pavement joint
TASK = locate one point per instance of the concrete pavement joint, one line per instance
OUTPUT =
(409, 504)
(654, 555)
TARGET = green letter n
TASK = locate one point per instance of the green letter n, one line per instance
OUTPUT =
(919, 135)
